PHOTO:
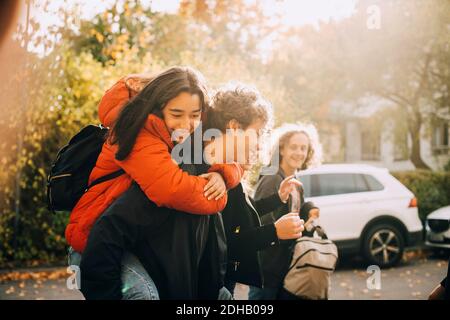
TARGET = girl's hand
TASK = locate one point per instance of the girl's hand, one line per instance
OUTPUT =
(314, 213)
(287, 186)
(215, 188)
(134, 84)
(289, 226)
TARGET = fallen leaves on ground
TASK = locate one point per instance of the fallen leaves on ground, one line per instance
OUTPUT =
(38, 276)
(415, 254)
(10, 290)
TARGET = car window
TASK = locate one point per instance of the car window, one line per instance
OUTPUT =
(373, 183)
(306, 181)
(337, 183)
(360, 183)
(333, 183)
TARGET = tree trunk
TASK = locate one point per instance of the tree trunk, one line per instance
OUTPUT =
(414, 130)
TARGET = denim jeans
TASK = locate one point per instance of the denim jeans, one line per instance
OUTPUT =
(136, 283)
(225, 294)
(230, 286)
(256, 293)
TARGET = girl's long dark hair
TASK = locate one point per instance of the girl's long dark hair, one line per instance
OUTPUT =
(151, 100)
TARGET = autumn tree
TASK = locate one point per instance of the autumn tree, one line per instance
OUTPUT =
(131, 28)
(404, 60)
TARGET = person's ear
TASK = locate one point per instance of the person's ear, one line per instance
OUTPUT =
(233, 124)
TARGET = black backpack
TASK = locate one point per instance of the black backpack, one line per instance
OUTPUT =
(69, 174)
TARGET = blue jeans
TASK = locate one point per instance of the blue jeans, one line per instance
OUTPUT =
(256, 293)
(136, 283)
(225, 294)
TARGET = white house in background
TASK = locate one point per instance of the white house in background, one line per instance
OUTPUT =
(366, 137)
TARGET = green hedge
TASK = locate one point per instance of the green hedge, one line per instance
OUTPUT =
(432, 189)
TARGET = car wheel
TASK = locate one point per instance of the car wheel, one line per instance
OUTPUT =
(383, 245)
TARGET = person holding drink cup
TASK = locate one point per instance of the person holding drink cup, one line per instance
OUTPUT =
(299, 149)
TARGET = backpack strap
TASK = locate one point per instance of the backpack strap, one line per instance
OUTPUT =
(110, 176)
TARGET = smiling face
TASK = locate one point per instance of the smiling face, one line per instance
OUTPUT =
(295, 151)
(182, 115)
(242, 146)
(236, 145)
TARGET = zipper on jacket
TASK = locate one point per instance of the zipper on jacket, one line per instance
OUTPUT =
(254, 210)
(60, 176)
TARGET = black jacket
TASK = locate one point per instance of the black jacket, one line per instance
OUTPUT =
(184, 254)
(276, 259)
(246, 235)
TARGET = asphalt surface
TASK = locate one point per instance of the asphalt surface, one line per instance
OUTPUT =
(413, 278)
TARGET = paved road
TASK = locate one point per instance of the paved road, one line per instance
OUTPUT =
(414, 278)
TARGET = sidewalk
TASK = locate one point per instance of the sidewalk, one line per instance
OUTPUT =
(413, 279)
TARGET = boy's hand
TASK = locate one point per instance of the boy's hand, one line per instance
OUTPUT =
(287, 186)
(215, 188)
(289, 226)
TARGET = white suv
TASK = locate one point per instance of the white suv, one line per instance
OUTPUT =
(364, 209)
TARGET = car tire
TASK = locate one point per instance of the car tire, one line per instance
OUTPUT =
(383, 245)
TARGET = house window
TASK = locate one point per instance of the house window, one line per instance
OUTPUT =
(370, 145)
(440, 139)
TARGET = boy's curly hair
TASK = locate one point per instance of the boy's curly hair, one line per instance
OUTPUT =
(240, 102)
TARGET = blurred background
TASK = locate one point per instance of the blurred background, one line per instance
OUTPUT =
(373, 76)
